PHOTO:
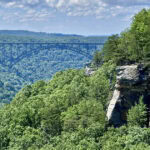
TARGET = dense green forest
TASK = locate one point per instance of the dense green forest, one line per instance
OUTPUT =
(132, 45)
(68, 112)
(41, 64)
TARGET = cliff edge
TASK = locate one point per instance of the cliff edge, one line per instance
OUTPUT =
(132, 82)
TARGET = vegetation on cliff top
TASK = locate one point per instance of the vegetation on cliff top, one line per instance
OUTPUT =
(132, 45)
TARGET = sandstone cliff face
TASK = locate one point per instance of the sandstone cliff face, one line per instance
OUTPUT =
(132, 82)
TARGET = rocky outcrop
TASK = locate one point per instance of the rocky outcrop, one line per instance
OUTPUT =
(89, 71)
(132, 82)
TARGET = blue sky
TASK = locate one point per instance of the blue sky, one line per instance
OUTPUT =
(86, 17)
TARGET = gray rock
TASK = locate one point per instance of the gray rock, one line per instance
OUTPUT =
(89, 71)
(128, 75)
(112, 104)
(133, 81)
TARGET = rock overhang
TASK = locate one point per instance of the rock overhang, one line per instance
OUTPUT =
(132, 82)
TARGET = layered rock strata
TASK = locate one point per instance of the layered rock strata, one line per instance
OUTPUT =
(132, 82)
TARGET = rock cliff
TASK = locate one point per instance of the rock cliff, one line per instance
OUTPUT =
(132, 82)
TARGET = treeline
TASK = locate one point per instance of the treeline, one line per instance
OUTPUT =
(131, 46)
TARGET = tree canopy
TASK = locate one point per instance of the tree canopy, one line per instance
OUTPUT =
(132, 45)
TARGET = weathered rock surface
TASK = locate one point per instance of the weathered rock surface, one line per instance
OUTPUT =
(132, 82)
(89, 71)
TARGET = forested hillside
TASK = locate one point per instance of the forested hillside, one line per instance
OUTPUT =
(28, 36)
(42, 63)
(68, 112)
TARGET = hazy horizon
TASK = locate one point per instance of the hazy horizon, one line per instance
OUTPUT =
(54, 33)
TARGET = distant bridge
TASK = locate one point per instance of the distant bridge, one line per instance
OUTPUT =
(11, 53)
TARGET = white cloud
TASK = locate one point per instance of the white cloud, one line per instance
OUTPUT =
(32, 1)
(98, 8)
(10, 4)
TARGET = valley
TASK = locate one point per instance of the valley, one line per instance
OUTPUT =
(23, 60)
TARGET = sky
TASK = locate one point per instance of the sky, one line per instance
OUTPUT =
(84, 17)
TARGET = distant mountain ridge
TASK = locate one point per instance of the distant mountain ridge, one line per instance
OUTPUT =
(47, 37)
(32, 33)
